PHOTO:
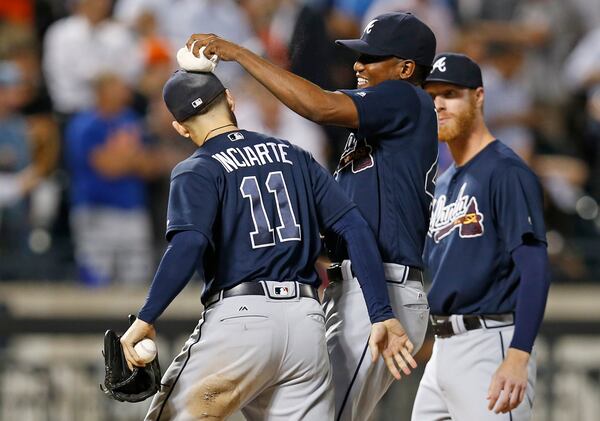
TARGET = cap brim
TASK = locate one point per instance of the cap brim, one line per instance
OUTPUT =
(361, 46)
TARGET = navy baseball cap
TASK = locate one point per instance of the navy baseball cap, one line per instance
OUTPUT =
(401, 35)
(188, 93)
(457, 69)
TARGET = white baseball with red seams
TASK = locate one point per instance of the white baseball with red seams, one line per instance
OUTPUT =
(146, 350)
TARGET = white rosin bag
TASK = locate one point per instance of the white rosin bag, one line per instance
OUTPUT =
(189, 61)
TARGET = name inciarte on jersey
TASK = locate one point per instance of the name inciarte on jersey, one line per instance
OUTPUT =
(254, 155)
(358, 153)
(463, 215)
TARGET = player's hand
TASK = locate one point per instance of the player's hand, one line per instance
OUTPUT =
(509, 382)
(389, 339)
(225, 50)
(136, 332)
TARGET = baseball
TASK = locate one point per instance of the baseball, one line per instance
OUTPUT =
(146, 349)
(189, 61)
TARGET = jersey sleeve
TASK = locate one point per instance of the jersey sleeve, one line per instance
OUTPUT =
(331, 201)
(518, 206)
(384, 108)
(193, 203)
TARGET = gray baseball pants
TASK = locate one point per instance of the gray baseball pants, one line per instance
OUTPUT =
(360, 384)
(267, 357)
(457, 377)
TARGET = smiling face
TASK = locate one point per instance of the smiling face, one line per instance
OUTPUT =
(457, 109)
(372, 70)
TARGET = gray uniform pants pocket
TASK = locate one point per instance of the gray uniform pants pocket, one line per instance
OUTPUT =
(411, 308)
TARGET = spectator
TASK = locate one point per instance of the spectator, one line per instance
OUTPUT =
(82, 46)
(15, 157)
(158, 61)
(14, 186)
(344, 17)
(109, 163)
(21, 48)
(177, 19)
(582, 69)
(547, 29)
(592, 137)
(437, 15)
(293, 36)
(17, 11)
(553, 27)
(508, 106)
(589, 12)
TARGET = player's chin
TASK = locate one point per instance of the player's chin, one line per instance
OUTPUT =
(447, 134)
(443, 137)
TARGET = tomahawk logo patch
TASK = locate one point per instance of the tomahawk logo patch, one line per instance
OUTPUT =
(370, 26)
(357, 153)
(463, 214)
(439, 65)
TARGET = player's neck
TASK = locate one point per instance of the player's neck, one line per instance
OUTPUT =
(463, 150)
(214, 131)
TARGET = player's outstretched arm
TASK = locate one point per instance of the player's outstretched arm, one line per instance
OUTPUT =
(388, 337)
(298, 94)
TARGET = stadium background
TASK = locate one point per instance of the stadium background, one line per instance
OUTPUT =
(64, 60)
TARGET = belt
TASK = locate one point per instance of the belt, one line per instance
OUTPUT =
(447, 326)
(393, 272)
(258, 288)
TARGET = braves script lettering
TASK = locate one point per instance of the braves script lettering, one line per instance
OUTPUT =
(463, 214)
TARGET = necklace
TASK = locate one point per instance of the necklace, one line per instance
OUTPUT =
(215, 129)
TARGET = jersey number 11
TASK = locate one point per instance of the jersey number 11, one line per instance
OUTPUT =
(288, 228)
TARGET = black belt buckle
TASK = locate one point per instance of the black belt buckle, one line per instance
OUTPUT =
(442, 329)
(472, 322)
(334, 273)
(414, 274)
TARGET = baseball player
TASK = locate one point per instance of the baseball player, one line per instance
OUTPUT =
(387, 168)
(245, 211)
(486, 248)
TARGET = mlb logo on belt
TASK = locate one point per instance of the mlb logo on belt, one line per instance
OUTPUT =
(282, 291)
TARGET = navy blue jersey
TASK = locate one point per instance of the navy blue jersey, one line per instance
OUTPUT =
(261, 203)
(388, 168)
(482, 211)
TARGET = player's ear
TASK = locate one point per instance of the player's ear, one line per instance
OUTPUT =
(180, 129)
(479, 97)
(230, 100)
(406, 68)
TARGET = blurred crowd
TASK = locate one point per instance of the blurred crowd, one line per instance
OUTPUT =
(86, 144)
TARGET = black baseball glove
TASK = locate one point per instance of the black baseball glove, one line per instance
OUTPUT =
(122, 384)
